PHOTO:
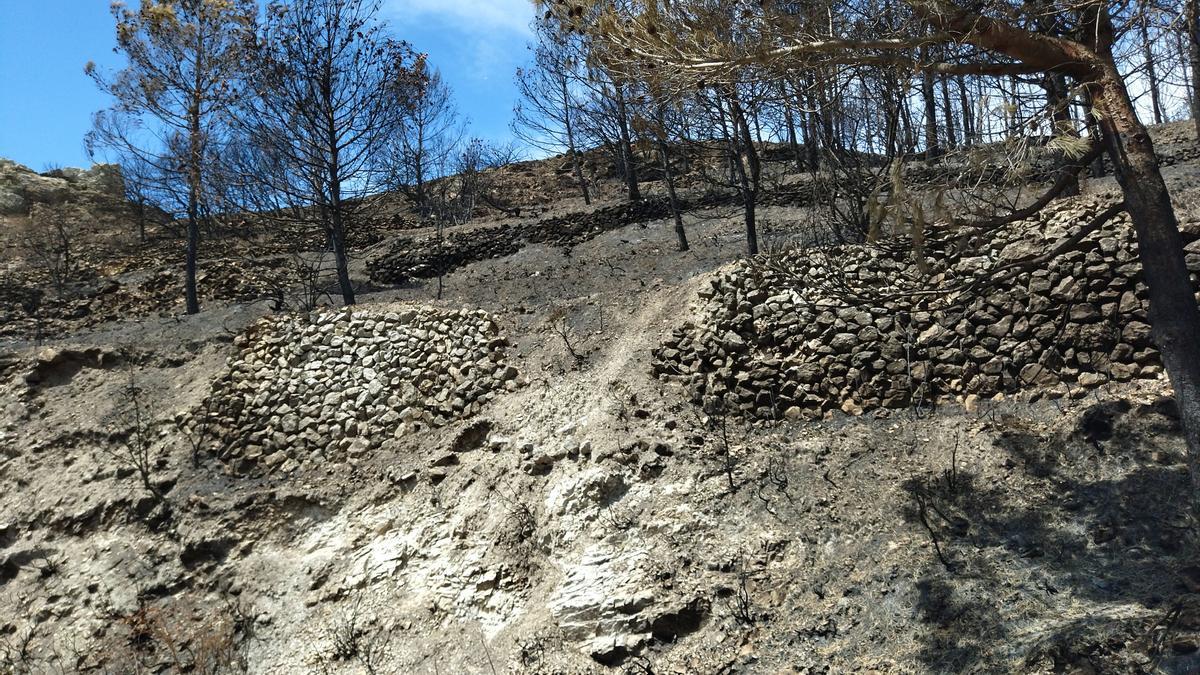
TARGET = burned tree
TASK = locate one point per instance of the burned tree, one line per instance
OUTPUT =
(49, 240)
(427, 141)
(331, 88)
(682, 41)
(185, 59)
(546, 117)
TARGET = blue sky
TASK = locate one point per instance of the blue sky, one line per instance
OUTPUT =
(47, 101)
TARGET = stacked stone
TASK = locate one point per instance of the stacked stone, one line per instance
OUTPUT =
(1175, 144)
(1039, 167)
(860, 327)
(339, 383)
(425, 258)
(1180, 156)
(791, 195)
(371, 229)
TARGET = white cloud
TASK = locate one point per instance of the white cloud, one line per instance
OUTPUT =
(483, 16)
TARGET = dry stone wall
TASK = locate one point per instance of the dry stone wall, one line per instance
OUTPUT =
(28, 310)
(1175, 143)
(860, 327)
(338, 383)
(423, 258)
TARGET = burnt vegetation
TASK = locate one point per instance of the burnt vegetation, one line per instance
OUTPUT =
(898, 208)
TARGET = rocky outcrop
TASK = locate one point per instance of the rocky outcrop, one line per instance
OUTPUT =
(608, 604)
(338, 383)
(56, 365)
(860, 327)
(21, 187)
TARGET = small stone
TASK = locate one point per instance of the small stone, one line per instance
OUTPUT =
(971, 403)
(1129, 303)
(843, 342)
(1036, 374)
(358, 448)
(1136, 332)
(1084, 312)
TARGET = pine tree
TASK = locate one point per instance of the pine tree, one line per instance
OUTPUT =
(185, 60)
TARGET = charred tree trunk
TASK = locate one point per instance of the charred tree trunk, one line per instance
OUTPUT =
(664, 153)
(576, 165)
(335, 220)
(195, 159)
(1151, 71)
(577, 168)
(968, 121)
(337, 237)
(793, 142)
(1193, 27)
(1174, 315)
(1097, 168)
(749, 171)
(789, 121)
(906, 123)
(932, 150)
(809, 123)
(1060, 111)
(838, 132)
(892, 145)
(828, 135)
(421, 197)
(140, 209)
(1181, 51)
(728, 136)
(951, 140)
(890, 121)
(1014, 115)
(631, 180)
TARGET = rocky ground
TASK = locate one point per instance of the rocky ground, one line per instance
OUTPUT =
(508, 469)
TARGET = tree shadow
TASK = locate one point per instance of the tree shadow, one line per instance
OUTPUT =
(1067, 560)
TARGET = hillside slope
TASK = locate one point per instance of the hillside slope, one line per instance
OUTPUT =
(577, 460)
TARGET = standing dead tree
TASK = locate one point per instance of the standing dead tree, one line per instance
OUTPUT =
(427, 141)
(49, 240)
(139, 180)
(546, 117)
(659, 124)
(686, 42)
(331, 88)
(185, 59)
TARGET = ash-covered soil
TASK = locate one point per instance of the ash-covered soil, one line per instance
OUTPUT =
(561, 508)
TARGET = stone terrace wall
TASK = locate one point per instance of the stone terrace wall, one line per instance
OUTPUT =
(338, 383)
(422, 258)
(858, 327)
(412, 258)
